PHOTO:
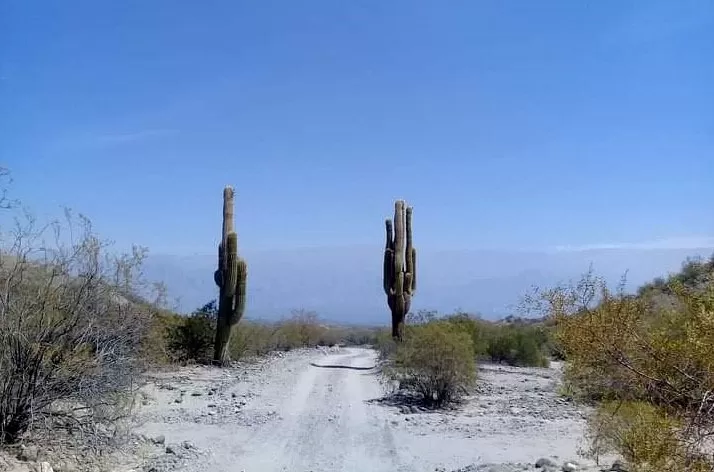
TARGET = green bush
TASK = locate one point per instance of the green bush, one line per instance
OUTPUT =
(647, 366)
(478, 330)
(436, 361)
(192, 339)
(518, 346)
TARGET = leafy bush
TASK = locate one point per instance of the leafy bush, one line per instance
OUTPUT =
(479, 331)
(519, 346)
(193, 337)
(650, 366)
(437, 362)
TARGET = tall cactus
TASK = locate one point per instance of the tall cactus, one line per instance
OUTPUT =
(231, 280)
(399, 266)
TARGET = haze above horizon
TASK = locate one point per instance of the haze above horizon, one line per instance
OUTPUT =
(509, 126)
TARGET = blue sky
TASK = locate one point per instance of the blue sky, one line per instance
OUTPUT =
(507, 124)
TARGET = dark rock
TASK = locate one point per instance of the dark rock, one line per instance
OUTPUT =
(618, 466)
(544, 462)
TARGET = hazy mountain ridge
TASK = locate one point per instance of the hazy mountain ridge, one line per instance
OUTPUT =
(345, 285)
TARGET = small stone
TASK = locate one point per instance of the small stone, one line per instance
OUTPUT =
(178, 400)
(233, 395)
(569, 467)
(196, 394)
(170, 450)
(187, 445)
(544, 462)
(160, 439)
(618, 466)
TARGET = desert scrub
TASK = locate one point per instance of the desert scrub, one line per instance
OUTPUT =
(192, 338)
(518, 346)
(647, 366)
(436, 362)
(70, 331)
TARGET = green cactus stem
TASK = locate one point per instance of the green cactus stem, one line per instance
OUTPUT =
(230, 277)
(399, 279)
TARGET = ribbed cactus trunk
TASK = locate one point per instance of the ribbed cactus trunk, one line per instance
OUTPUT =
(399, 267)
(231, 280)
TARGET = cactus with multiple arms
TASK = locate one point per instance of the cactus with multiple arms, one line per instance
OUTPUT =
(399, 266)
(231, 280)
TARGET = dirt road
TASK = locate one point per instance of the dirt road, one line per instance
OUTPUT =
(324, 411)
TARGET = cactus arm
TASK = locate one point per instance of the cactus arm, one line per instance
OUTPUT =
(242, 275)
(231, 270)
(413, 272)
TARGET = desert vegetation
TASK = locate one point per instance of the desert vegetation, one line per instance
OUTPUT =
(230, 277)
(399, 277)
(71, 328)
(190, 339)
(646, 362)
(77, 332)
(437, 355)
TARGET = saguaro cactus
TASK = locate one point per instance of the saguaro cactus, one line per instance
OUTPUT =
(399, 266)
(231, 280)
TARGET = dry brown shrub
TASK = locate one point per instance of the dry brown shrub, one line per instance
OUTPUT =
(70, 331)
(651, 367)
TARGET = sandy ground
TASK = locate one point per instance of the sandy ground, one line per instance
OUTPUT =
(328, 410)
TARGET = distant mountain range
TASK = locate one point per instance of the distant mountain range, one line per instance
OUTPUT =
(344, 284)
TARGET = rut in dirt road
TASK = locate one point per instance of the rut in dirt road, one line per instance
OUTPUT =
(327, 425)
(310, 414)
(317, 410)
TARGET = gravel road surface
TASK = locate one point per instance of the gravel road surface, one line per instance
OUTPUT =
(327, 409)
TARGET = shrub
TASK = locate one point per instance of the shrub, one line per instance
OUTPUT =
(478, 330)
(437, 362)
(655, 360)
(192, 339)
(70, 331)
(385, 345)
(518, 346)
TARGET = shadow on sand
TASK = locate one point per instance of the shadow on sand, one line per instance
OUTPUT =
(335, 366)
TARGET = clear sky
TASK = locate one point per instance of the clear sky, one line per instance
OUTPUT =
(507, 124)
